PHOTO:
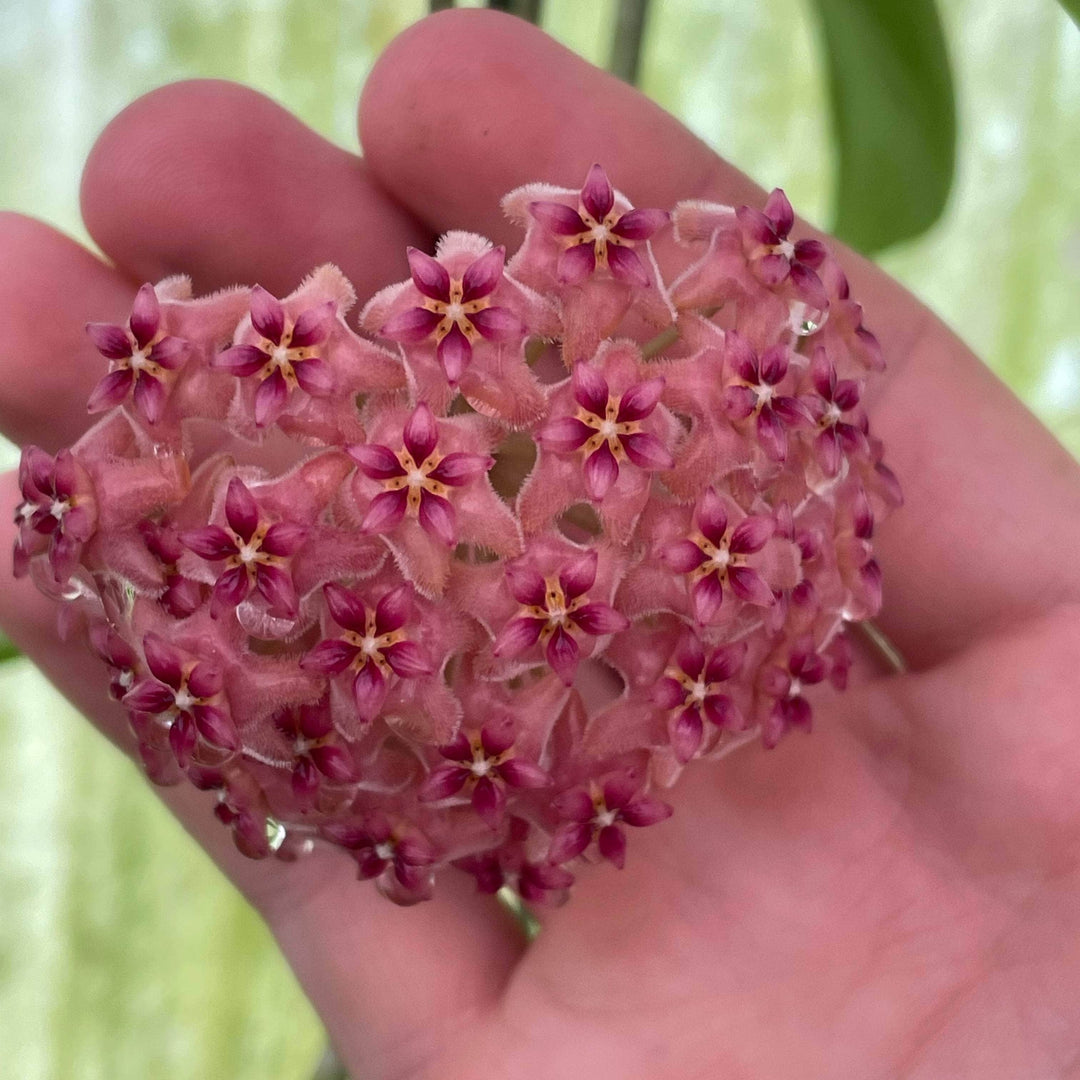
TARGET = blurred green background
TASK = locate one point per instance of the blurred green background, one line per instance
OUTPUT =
(123, 954)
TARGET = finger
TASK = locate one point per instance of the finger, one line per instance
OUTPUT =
(215, 180)
(468, 105)
(50, 287)
(390, 984)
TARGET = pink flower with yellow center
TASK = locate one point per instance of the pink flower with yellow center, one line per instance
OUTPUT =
(142, 358)
(185, 695)
(556, 613)
(690, 691)
(456, 312)
(608, 429)
(715, 558)
(417, 478)
(598, 814)
(783, 684)
(318, 751)
(287, 356)
(256, 553)
(374, 648)
(596, 235)
(484, 762)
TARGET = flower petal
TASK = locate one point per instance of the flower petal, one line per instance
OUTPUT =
(411, 326)
(241, 511)
(334, 762)
(111, 390)
(267, 314)
(749, 585)
(216, 726)
(149, 397)
(164, 660)
(230, 590)
(578, 576)
(517, 636)
(437, 518)
(369, 692)
(442, 782)
(205, 680)
(626, 266)
(455, 354)
(525, 583)
(315, 376)
(376, 461)
(640, 224)
(644, 810)
(330, 657)
(385, 512)
(169, 352)
(686, 732)
(313, 325)
(345, 607)
(489, 801)
(276, 587)
(569, 842)
(482, 275)
(778, 211)
(271, 398)
(646, 451)
(460, 468)
(563, 654)
(682, 556)
(708, 596)
(597, 195)
(394, 610)
(497, 324)
(611, 843)
(564, 434)
(429, 275)
(240, 360)
(284, 538)
(599, 619)
(210, 542)
(145, 315)
(576, 263)
(558, 218)
(726, 662)
(601, 471)
(109, 340)
(640, 399)
(421, 433)
(408, 660)
(751, 534)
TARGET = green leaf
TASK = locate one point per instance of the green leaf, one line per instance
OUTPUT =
(1073, 8)
(894, 117)
(7, 650)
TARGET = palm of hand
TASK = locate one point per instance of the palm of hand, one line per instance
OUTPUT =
(896, 896)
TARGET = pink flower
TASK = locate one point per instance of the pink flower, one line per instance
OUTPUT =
(556, 614)
(417, 478)
(597, 814)
(287, 355)
(255, 551)
(596, 235)
(715, 558)
(690, 691)
(319, 753)
(142, 359)
(184, 695)
(397, 856)
(773, 258)
(835, 399)
(608, 430)
(455, 312)
(784, 683)
(752, 392)
(375, 648)
(484, 762)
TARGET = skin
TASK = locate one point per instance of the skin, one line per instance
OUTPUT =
(896, 896)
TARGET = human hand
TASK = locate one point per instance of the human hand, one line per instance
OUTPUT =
(892, 896)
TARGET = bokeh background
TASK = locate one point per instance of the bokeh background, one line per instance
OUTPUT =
(123, 954)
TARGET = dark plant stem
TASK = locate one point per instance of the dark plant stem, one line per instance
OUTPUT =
(629, 34)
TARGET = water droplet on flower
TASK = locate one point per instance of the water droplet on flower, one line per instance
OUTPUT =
(275, 833)
(805, 320)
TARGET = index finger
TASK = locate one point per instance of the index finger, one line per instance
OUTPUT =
(470, 104)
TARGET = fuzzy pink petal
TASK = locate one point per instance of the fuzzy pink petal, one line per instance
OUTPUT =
(576, 263)
(489, 801)
(455, 354)
(437, 517)
(482, 275)
(216, 727)
(726, 662)
(149, 397)
(569, 842)
(169, 352)
(230, 590)
(751, 534)
(429, 275)
(459, 468)
(558, 218)
(597, 195)
(682, 556)
(686, 731)
(277, 588)
(407, 659)
(271, 398)
(738, 401)
(579, 575)
(421, 433)
(377, 461)
(394, 610)
(749, 585)
(611, 843)
(284, 538)
(646, 451)
(640, 224)
(756, 226)
(640, 399)
(110, 391)
(369, 691)
(524, 774)
(643, 811)
(164, 661)
(145, 315)
(315, 376)
(267, 314)
(564, 434)
(526, 585)
(241, 511)
(110, 340)
(626, 266)
(240, 360)
(778, 211)
(517, 636)
(205, 680)
(771, 435)
(590, 389)
(411, 326)
(334, 762)
(442, 782)
(330, 657)
(601, 471)
(313, 326)
(385, 512)
(497, 324)
(708, 596)
(600, 619)
(345, 607)
(563, 655)
(210, 542)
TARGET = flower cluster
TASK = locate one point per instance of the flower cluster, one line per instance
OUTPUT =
(464, 580)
